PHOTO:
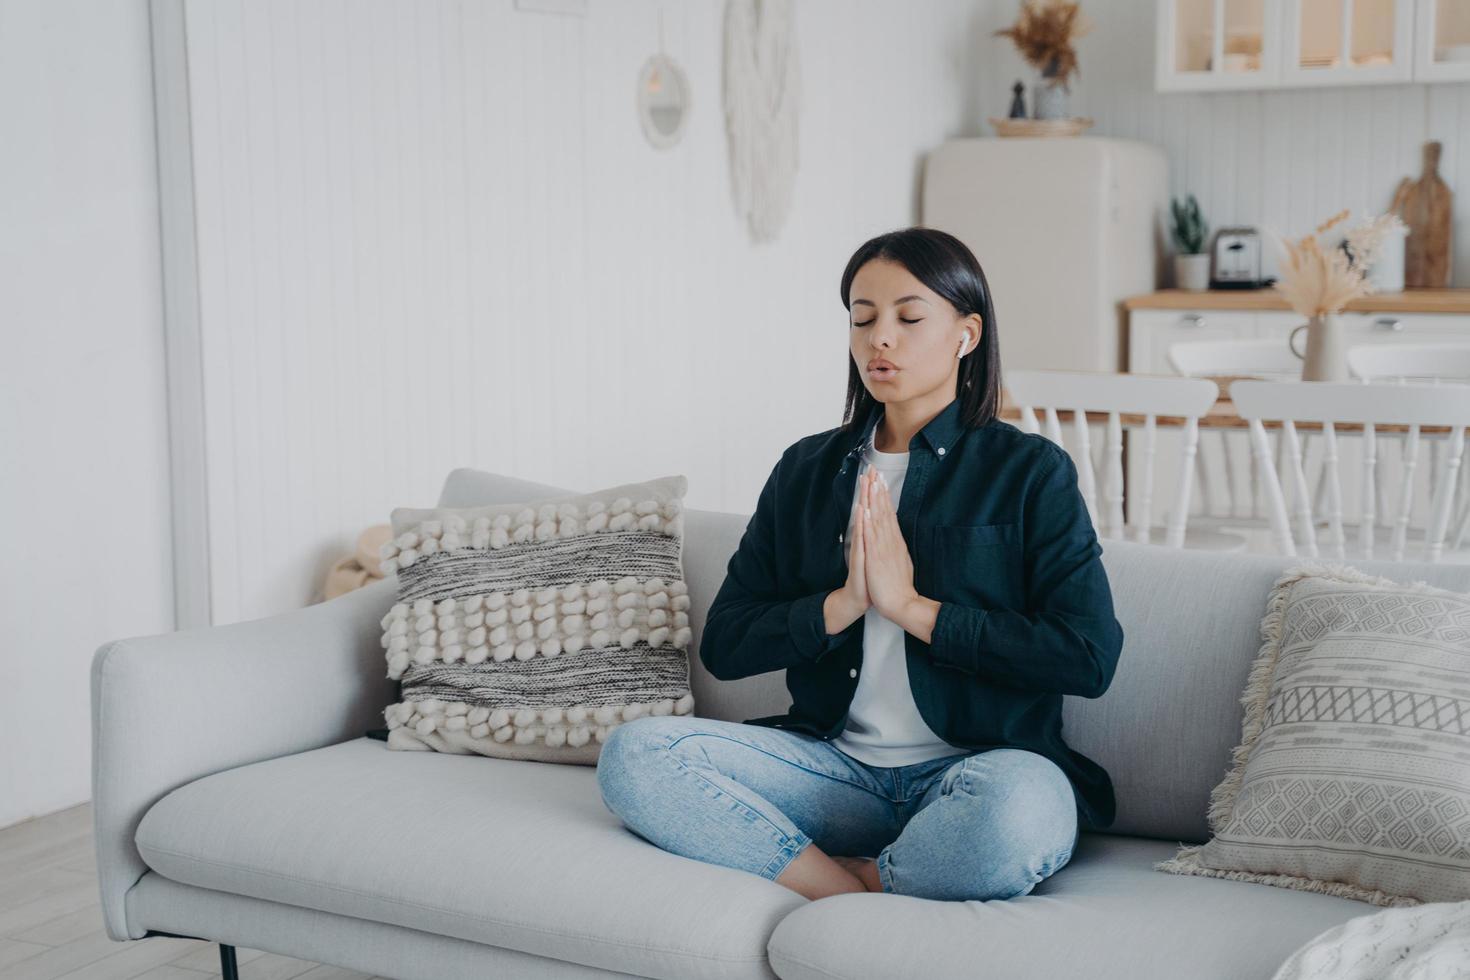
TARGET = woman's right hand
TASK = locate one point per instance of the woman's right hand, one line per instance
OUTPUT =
(845, 605)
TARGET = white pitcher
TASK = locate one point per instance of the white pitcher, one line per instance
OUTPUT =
(1326, 356)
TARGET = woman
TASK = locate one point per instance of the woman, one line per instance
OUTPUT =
(928, 577)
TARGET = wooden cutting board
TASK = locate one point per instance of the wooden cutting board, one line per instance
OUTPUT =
(1425, 205)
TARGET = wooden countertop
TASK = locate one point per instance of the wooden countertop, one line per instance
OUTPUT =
(1408, 301)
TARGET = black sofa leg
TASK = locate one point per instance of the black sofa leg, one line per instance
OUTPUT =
(227, 967)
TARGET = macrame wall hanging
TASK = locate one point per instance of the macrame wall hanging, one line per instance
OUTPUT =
(762, 100)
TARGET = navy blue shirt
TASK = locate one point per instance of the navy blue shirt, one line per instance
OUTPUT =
(999, 535)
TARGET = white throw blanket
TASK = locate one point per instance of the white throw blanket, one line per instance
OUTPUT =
(1421, 942)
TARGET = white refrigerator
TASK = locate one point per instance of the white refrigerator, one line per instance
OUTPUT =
(1065, 229)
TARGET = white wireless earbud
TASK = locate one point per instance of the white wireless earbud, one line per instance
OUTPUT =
(961, 351)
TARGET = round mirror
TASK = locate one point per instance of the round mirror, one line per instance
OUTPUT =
(663, 101)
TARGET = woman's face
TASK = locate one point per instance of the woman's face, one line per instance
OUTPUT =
(896, 318)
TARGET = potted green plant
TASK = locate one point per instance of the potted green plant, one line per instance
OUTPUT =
(1191, 261)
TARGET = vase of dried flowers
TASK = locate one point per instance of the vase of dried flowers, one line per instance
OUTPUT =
(1319, 283)
(1325, 358)
(1043, 33)
(1049, 100)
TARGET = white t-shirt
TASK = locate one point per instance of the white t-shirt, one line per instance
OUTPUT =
(884, 727)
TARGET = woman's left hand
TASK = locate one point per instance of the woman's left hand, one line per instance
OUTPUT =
(890, 570)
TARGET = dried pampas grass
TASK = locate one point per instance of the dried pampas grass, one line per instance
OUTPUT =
(1043, 33)
(1318, 281)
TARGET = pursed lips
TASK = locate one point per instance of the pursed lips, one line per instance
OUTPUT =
(880, 369)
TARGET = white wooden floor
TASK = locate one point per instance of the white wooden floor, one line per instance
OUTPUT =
(51, 923)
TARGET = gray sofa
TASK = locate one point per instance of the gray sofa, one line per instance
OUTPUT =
(237, 800)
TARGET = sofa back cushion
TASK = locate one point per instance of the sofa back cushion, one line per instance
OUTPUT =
(1166, 726)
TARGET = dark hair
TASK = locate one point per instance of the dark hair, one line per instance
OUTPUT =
(945, 265)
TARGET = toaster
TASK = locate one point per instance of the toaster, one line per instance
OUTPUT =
(1235, 261)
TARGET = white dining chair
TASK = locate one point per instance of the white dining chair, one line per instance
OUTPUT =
(1432, 363)
(1270, 359)
(1427, 363)
(1369, 405)
(1149, 396)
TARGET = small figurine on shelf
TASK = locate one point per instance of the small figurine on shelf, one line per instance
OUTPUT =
(1018, 102)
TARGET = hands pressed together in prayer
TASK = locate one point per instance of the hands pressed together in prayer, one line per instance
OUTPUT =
(880, 573)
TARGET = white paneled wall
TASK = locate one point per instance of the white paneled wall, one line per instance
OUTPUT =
(83, 423)
(1287, 159)
(432, 235)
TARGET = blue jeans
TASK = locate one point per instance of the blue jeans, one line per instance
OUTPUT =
(969, 826)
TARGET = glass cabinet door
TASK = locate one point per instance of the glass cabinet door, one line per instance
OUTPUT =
(1215, 44)
(1443, 41)
(1337, 42)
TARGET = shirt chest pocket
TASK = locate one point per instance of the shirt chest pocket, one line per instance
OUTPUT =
(978, 565)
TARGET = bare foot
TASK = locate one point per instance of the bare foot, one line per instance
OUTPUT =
(864, 869)
(815, 875)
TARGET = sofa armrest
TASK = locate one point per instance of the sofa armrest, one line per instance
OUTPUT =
(171, 708)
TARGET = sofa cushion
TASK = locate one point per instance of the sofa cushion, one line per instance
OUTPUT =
(1107, 915)
(517, 854)
(710, 538)
(530, 629)
(1353, 773)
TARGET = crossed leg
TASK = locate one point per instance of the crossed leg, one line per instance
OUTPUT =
(990, 825)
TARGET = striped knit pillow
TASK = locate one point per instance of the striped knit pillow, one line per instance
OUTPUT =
(528, 631)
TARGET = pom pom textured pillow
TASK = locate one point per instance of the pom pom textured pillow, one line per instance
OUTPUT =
(1353, 774)
(528, 631)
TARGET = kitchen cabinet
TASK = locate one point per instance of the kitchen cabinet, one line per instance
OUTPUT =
(1217, 45)
(1157, 320)
(1347, 42)
(1442, 41)
(1377, 328)
(1151, 332)
(1220, 45)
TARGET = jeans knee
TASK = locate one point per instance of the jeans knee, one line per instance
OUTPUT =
(1030, 868)
(1022, 813)
(1019, 789)
(1031, 856)
(1009, 870)
(624, 762)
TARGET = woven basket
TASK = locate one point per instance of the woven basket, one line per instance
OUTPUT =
(1040, 127)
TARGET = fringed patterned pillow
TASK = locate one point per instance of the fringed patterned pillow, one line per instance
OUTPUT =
(528, 631)
(1352, 777)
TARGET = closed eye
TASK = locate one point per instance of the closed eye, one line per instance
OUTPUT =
(869, 323)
